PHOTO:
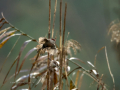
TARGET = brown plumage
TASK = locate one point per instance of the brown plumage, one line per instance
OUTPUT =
(46, 44)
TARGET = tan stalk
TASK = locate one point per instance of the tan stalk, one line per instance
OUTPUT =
(18, 29)
(54, 18)
(48, 62)
(60, 23)
(77, 76)
(109, 68)
(60, 78)
(63, 40)
(81, 78)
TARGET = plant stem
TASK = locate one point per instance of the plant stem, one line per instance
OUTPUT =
(54, 18)
(48, 62)
(60, 78)
(18, 29)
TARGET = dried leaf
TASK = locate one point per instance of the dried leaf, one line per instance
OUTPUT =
(74, 58)
(96, 55)
(4, 30)
(3, 42)
(95, 72)
(26, 70)
(32, 68)
(36, 58)
(1, 19)
(73, 70)
(44, 85)
(3, 24)
(80, 83)
(72, 86)
(77, 76)
(55, 79)
(109, 68)
(40, 59)
(41, 68)
(6, 39)
(8, 73)
(21, 79)
(38, 80)
(14, 87)
(9, 54)
(41, 73)
(21, 50)
(101, 49)
(51, 79)
(32, 75)
(90, 64)
(7, 34)
(33, 49)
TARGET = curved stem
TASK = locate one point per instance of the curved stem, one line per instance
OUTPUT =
(18, 29)
(89, 74)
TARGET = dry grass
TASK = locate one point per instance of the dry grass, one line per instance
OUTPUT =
(114, 30)
(51, 63)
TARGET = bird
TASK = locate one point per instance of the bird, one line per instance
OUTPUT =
(46, 44)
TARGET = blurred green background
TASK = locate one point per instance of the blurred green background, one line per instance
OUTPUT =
(87, 22)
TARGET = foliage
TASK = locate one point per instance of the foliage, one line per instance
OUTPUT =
(51, 63)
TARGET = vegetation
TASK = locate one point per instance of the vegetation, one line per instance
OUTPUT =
(50, 66)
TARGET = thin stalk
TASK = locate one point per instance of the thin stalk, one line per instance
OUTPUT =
(64, 24)
(18, 29)
(9, 53)
(81, 78)
(60, 78)
(48, 62)
(73, 70)
(63, 56)
(48, 73)
(63, 39)
(29, 80)
(54, 18)
(109, 68)
(49, 18)
(60, 23)
(89, 74)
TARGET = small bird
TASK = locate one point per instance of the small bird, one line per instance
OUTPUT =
(46, 44)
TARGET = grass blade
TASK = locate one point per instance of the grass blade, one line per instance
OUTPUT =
(32, 68)
(60, 78)
(7, 34)
(74, 58)
(81, 78)
(4, 81)
(9, 54)
(4, 30)
(96, 55)
(109, 68)
(21, 50)
(6, 39)
(30, 51)
(77, 76)
(3, 24)
(48, 62)
(17, 29)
